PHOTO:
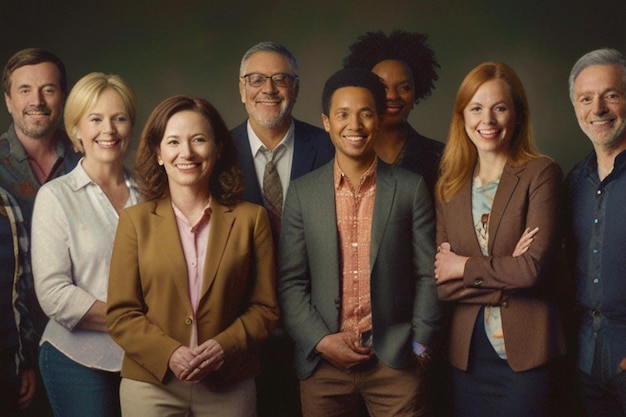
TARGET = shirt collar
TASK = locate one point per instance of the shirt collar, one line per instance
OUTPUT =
(256, 144)
(204, 219)
(590, 166)
(341, 179)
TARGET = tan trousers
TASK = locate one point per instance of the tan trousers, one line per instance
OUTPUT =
(182, 399)
(333, 392)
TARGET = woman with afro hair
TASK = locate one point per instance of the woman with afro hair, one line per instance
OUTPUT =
(407, 66)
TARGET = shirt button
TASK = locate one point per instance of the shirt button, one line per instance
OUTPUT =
(595, 313)
(354, 244)
(595, 251)
(599, 192)
(596, 221)
(596, 280)
(478, 282)
(188, 321)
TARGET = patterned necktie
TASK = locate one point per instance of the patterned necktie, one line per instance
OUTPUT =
(273, 190)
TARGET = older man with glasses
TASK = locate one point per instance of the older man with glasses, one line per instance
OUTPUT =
(274, 149)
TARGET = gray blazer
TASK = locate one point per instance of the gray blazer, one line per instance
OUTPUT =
(405, 307)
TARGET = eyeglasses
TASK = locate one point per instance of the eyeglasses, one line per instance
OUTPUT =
(279, 79)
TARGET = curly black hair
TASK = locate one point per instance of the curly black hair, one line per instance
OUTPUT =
(408, 47)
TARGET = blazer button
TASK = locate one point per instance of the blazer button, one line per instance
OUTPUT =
(505, 304)
(478, 282)
(188, 321)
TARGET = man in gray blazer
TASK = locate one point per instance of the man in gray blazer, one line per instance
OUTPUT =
(355, 285)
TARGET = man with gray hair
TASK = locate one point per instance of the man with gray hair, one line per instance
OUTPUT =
(274, 149)
(597, 205)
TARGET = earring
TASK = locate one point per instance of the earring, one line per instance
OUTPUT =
(160, 162)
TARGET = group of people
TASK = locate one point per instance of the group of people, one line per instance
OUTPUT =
(392, 275)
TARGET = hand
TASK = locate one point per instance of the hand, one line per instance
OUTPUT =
(622, 364)
(27, 389)
(343, 350)
(448, 265)
(524, 242)
(179, 361)
(209, 358)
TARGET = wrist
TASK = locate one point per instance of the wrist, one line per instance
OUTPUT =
(421, 351)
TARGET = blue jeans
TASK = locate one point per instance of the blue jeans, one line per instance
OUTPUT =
(75, 390)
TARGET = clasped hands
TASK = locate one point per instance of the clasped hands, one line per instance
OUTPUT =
(449, 265)
(344, 350)
(194, 364)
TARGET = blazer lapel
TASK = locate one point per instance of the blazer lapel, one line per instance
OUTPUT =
(508, 183)
(222, 220)
(171, 250)
(464, 225)
(385, 194)
(252, 191)
(303, 151)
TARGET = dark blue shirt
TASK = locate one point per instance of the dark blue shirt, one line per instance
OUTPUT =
(598, 248)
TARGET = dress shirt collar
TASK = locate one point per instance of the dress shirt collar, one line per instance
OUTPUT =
(256, 144)
(342, 179)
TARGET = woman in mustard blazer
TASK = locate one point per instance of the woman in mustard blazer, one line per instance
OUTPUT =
(498, 238)
(191, 289)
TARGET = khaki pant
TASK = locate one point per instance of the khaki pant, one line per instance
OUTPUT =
(182, 399)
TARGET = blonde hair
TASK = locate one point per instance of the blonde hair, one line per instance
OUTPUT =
(84, 96)
(460, 155)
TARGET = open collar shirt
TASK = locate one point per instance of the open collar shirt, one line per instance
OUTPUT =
(74, 226)
(17, 176)
(598, 226)
(355, 208)
(195, 240)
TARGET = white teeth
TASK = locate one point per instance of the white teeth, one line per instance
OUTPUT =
(186, 166)
(488, 132)
(107, 142)
(354, 138)
(601, 122)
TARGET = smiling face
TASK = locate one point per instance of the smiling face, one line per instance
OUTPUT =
(352, 123)
(36, 100)
(490, 118)
(188, 151)
(600, 104)
(105, 130)
(399, 88)
(269, 106)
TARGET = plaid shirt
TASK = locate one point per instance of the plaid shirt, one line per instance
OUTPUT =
(24, 292)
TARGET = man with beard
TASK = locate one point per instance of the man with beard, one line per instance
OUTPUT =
(33, 150)
(274, 149)
(597, 206)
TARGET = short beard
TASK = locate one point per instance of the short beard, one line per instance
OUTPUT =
(270, 123)
(615, 141)
(36, 131)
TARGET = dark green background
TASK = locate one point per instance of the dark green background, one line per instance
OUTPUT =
(194, 47)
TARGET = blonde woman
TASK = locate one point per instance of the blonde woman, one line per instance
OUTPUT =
(74, 223)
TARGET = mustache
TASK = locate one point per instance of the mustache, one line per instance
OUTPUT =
(38, 109)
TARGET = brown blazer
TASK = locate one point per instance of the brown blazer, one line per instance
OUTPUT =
(148, 309)
(528, 196)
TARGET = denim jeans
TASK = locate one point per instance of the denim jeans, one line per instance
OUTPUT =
(75, 390)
